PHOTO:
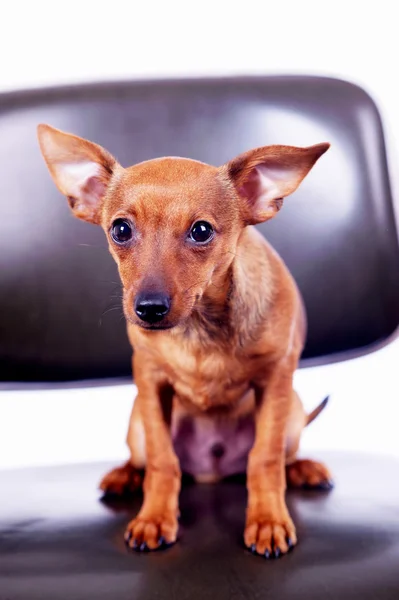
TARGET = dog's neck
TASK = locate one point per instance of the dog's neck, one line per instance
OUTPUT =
(210, 321)
(234, 304)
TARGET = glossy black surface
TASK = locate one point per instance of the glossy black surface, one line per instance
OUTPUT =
(58, 541)
(60, 315)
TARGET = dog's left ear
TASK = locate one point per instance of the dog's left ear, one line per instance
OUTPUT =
(264, 176)
(81, 170)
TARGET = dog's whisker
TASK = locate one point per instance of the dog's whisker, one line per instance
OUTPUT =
(197, 283)
(93, 246)
(233, 253)
(118, 283)
(108, 310)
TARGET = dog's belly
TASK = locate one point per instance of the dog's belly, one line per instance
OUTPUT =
(210, 449)
(214, 446)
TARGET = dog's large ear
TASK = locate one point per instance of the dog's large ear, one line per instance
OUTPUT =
(81, 170)
(264, 176)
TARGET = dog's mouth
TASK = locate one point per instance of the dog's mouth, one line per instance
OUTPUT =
(155, 326)
(160, 326)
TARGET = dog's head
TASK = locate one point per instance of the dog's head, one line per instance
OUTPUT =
(172, 224)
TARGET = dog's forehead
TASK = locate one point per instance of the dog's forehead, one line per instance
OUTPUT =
(178, 184)
(168, 171)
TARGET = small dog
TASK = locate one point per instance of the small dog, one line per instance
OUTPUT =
(216, 322)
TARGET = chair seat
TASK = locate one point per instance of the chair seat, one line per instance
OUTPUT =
(61, 541)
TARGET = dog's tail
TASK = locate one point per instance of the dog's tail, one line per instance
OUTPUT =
(315, 413)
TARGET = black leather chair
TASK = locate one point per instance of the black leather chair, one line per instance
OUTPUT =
(57, 282)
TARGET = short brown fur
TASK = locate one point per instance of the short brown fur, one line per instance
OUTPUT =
(215, 377)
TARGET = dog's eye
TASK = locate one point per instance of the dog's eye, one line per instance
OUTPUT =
(121, 231)
(201, 232)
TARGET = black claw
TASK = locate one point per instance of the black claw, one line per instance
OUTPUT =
(267, 554)
(277, 552)
(161, 541)
(143, 547)
(323, 486)
(253, 548)
(165, 545)
(327, 485)
(136, 545)
(290, 543)
(127, 537)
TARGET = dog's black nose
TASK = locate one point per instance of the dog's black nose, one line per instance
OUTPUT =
(151, 307)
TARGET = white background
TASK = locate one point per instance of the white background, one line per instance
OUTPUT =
(47, 43)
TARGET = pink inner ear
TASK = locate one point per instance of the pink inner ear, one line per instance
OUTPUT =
(250, 188)
(82, 181)
(94, 189)
(266, 184)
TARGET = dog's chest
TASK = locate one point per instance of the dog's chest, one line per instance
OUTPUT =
(207, 378)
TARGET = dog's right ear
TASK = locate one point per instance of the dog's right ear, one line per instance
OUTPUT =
(81, 170)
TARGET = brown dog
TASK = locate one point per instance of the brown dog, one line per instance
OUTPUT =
(216, 322)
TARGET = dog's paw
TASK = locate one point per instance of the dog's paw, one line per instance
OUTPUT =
(268, 538)
(151, 533)
(309, 474)
(123, 480)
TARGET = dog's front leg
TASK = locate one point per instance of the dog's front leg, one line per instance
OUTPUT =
(269, 529)
(156, 524)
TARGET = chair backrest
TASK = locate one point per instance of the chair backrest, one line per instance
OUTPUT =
(58, 284)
